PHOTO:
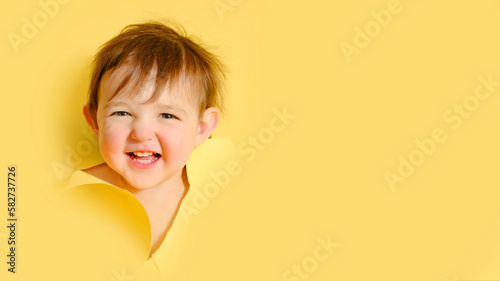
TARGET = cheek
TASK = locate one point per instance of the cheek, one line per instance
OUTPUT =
(112, 140)
(179, 141)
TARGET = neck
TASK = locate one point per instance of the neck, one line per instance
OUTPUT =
(171, 190)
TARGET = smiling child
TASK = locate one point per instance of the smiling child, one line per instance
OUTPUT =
(154, 96)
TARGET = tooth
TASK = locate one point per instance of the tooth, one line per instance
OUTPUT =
(144, 161)
(142, 154)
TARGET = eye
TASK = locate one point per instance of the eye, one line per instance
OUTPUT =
(167, 116)
(120, 113)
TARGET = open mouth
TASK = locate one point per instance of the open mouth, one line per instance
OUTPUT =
(144, 158)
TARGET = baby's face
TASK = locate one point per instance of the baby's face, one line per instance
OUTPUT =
(146, 143)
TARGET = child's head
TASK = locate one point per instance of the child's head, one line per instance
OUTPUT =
(154, 96)
(156, 47)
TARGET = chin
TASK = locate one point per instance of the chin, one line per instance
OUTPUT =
(148, 179)
(143, 185)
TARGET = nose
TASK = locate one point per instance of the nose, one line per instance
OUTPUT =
(142, 131)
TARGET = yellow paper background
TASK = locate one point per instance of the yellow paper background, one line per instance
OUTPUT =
(322, 173)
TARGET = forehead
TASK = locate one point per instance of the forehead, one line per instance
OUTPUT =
(124, 84)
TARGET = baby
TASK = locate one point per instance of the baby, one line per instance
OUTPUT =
(154, 96)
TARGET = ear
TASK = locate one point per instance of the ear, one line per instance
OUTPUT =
(88, 118)
(207, 125)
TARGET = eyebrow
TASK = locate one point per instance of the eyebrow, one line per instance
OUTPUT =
(161, 106)
(169, 107)
(114, 103)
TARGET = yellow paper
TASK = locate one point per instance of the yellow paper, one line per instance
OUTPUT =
(365, 132)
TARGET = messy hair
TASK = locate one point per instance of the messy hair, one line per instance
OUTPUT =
(154, 47)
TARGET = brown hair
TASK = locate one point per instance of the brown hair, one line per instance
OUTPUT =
(154, 46)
